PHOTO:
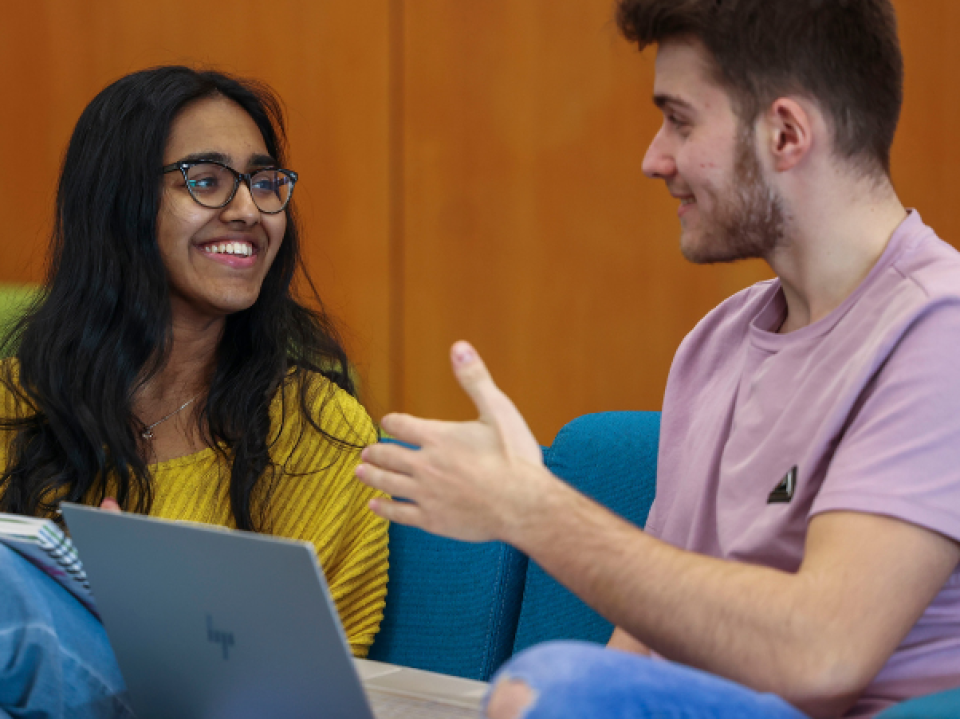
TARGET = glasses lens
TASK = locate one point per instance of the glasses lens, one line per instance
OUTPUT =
(210, 184)
(271, 189)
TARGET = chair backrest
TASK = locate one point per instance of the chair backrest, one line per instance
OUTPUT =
(942, 705)
(14, 301)
(451, 606)
(463, 609)
(612, 458)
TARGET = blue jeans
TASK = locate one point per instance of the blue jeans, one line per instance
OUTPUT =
(574, 680)
(55, 659)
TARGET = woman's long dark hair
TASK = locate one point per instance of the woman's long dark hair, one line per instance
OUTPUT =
(103, 326)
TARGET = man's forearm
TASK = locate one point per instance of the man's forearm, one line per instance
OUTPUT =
(751, 624)
(676, 602)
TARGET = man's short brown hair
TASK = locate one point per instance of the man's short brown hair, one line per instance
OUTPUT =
(844, 54)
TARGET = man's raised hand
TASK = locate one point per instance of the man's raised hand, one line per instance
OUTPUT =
(474, 481)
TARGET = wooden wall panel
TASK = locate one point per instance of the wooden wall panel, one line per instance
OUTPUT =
(926, 154)
(469, 170)
(530, 229)
(328, 60)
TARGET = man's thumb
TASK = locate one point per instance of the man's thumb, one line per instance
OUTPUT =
(492, 404)
(473, 376)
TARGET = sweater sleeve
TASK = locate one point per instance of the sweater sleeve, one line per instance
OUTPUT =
(319, 499)
(12, 406)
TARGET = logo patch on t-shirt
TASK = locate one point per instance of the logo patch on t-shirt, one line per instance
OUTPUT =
(783, 492)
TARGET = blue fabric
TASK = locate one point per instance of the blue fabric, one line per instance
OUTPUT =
(55, 659)
(572, 680)
(451, 606)
(942, 705)
(612, 458)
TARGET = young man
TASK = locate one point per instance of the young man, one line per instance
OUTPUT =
(801, 555)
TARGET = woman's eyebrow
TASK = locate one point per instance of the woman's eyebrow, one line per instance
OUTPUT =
(257, 160)
(261, 161)
(205, 157)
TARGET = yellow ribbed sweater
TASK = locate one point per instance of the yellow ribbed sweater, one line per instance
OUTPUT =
(316, 498)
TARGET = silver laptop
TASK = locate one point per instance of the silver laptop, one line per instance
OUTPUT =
(212, 623)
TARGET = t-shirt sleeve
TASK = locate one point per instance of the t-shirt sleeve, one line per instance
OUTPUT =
(900, 453)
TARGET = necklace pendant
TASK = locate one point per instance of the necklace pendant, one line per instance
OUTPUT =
(148, 432)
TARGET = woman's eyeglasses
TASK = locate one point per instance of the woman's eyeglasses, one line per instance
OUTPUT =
(214, 185)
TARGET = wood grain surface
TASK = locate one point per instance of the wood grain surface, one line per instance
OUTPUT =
(469, 170)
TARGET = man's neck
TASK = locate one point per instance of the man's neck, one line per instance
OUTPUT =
(834, 240)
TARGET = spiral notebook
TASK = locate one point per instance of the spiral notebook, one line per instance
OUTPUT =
(44, 544)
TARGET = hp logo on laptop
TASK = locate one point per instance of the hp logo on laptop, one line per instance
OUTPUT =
(219, 636)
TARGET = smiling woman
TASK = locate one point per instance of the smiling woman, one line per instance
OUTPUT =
(216, 239)
(169, 366)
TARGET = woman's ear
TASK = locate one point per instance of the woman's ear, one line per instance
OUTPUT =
(788, 131)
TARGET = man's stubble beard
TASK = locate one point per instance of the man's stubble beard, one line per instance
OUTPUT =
(749, 222)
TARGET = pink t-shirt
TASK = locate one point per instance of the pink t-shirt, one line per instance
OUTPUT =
(864, 403)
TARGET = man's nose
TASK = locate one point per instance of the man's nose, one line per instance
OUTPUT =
(659, 162)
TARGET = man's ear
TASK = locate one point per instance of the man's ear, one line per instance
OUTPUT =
(788, 129)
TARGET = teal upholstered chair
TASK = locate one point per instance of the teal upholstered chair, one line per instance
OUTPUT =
(451, 606)
(463, 609)
(612, 458)
(943, 705)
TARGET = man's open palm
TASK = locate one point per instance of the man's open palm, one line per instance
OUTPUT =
(468, 480)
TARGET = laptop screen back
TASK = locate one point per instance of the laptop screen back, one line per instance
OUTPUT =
(207, 622)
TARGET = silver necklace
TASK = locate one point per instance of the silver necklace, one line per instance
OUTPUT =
(148, 432)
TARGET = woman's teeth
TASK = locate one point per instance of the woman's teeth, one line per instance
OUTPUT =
(230, 248)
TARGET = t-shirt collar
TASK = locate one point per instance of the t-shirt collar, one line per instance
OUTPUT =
(763, 328)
